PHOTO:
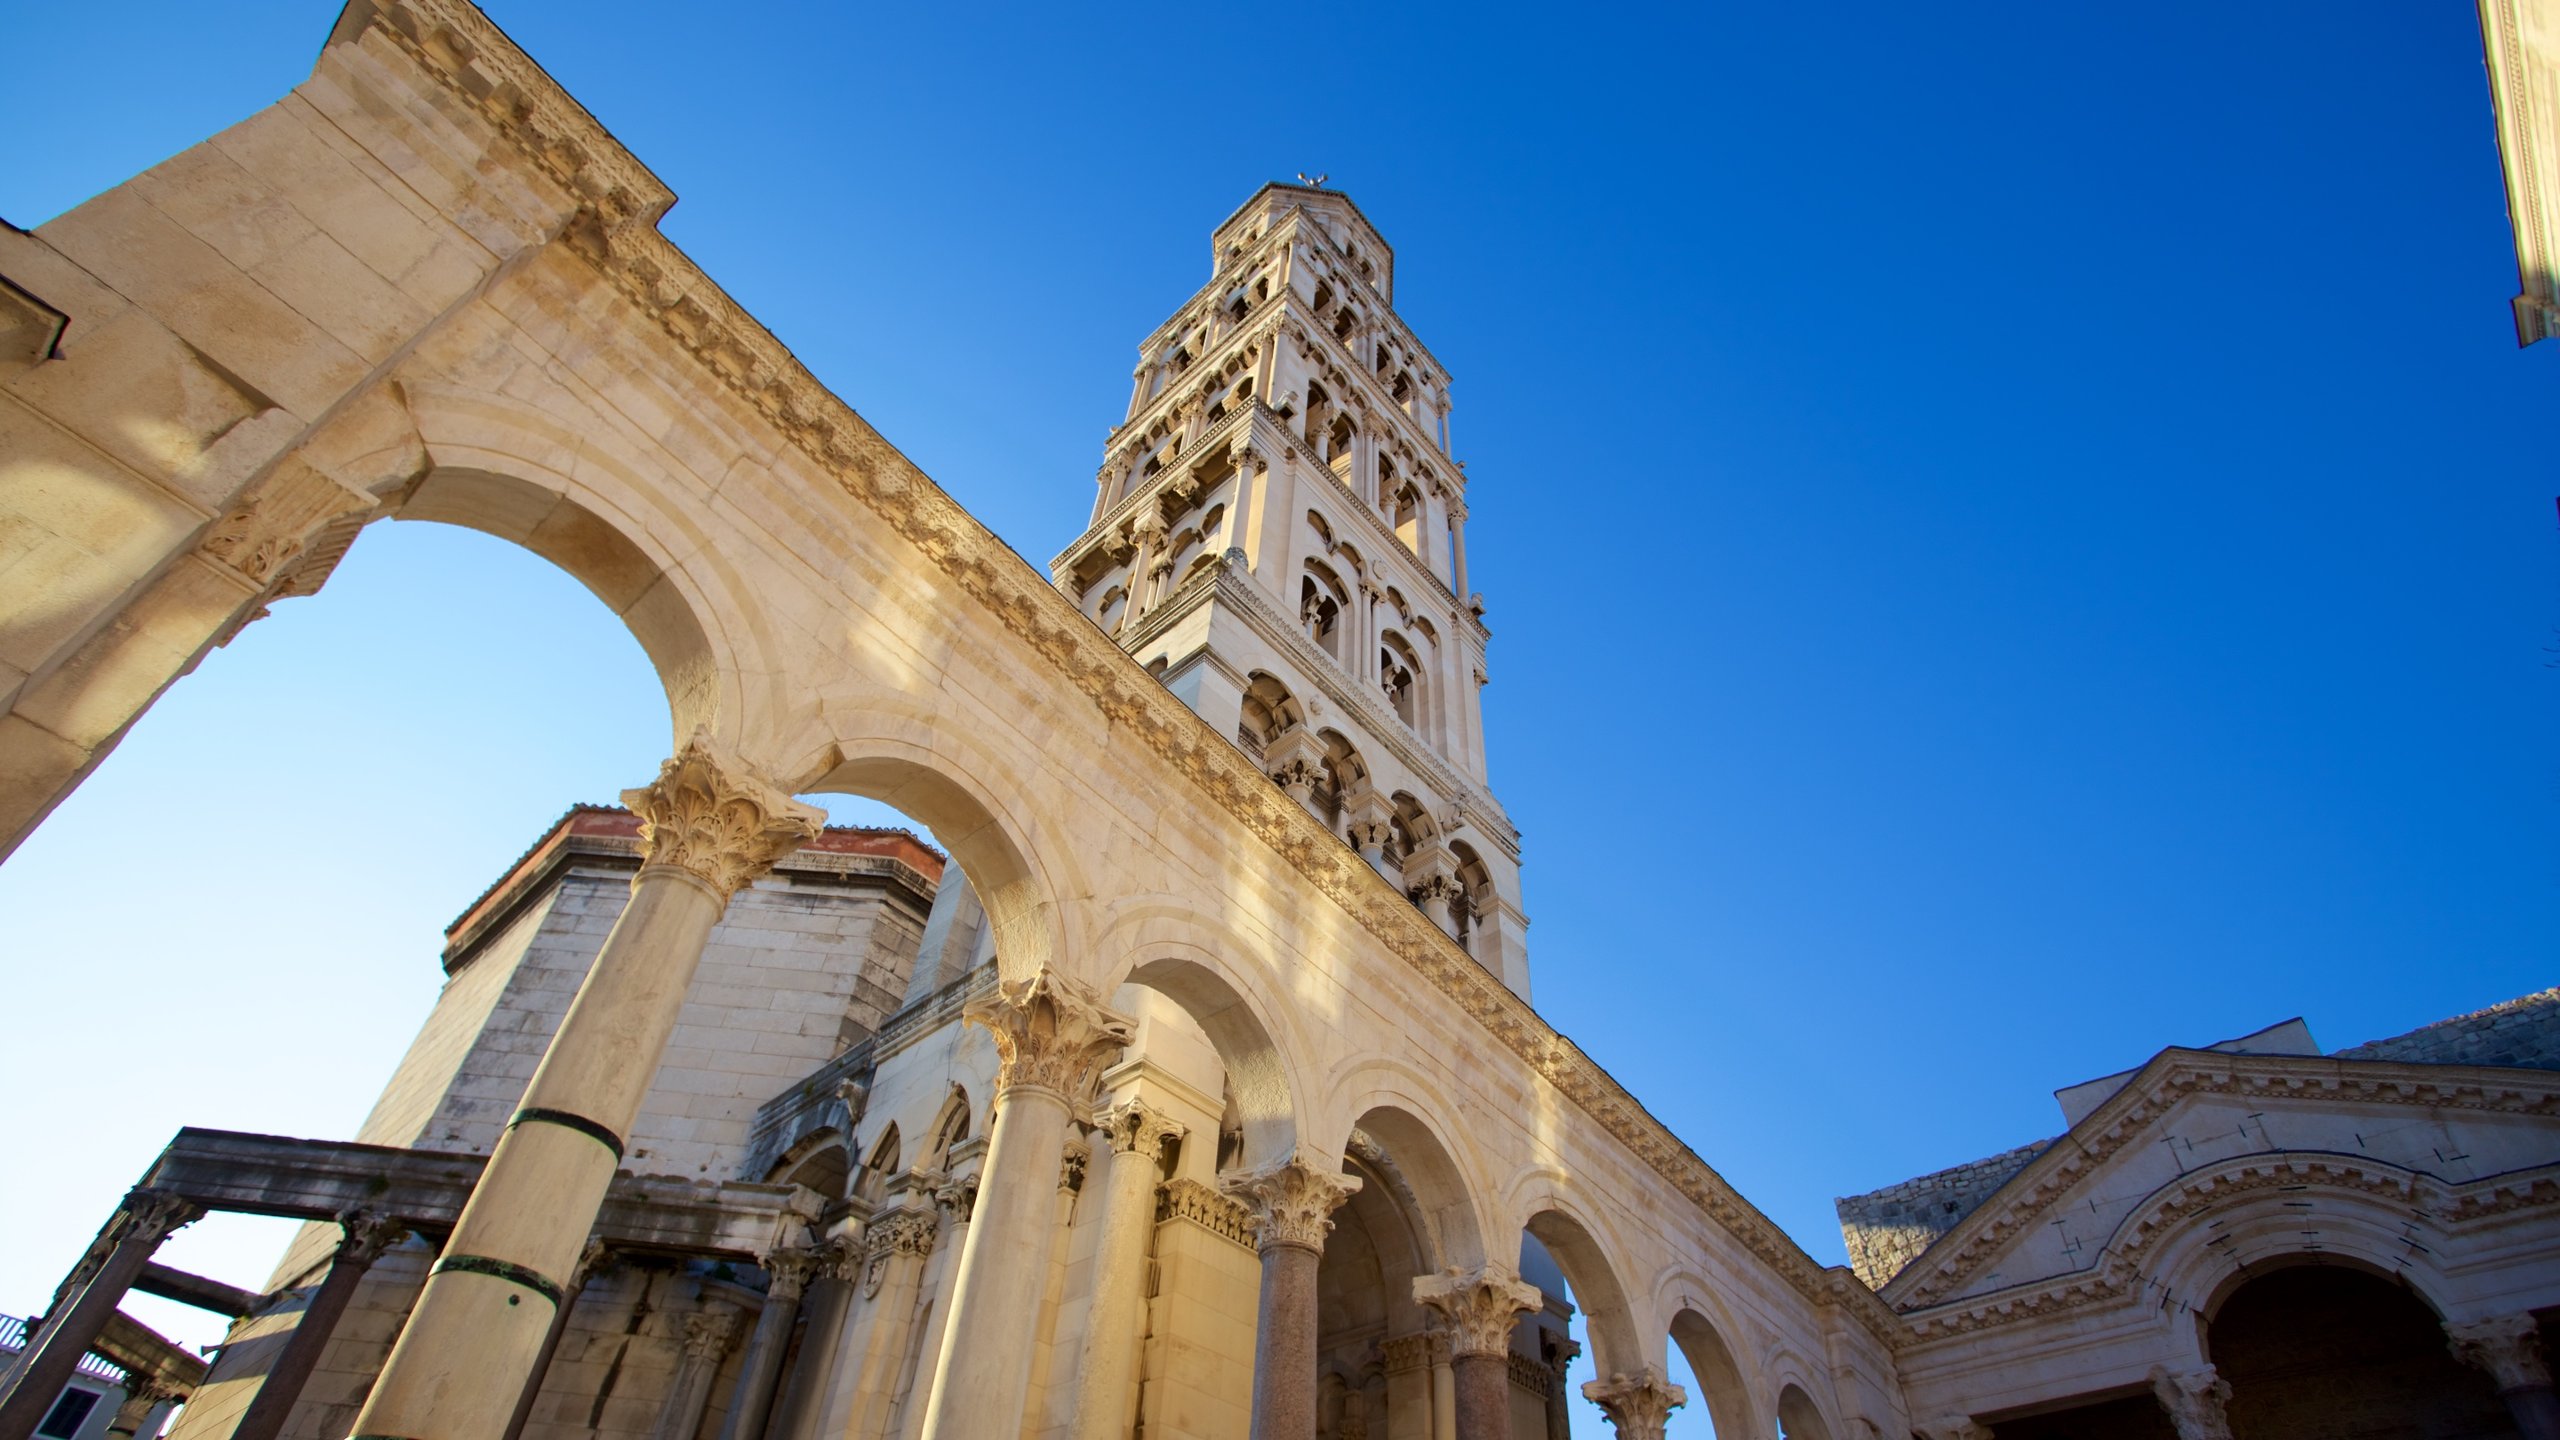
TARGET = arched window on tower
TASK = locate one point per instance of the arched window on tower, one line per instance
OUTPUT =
(1337, 453)
(1398, 673)
(1320, 601)
(1270, 712)
(1475, 896)
(1405, 515)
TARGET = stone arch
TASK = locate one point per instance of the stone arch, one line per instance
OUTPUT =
(1617, 1346)
(951, 1125)
(818, 1161)
(972, 805)
(1701, 1329)
(2204, 1234)
(1174, 952)
(1392, 1106)
(616, 525)
(1799, 1418)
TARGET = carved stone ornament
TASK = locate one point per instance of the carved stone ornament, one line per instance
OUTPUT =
(1404, 1354)
(1954, 1427)
(2509, 1347)
(1134, 1127)
(1292, 1203)
(787, 1273)
(1478, 1306)
(2195, 1401)
(1443, 888)
(900, 1232)
(1639, 1405)
(717, 823)
(1052, 1033)
(150, 1215)
(957, 1198)
(367, 1236)
(1071, 1163)
(707, 1334)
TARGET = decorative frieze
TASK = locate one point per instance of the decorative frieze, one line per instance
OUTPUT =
(1292, 1203)
(717, 823)
(1052, 1033)
(1479, 1307)
(1220, 1215)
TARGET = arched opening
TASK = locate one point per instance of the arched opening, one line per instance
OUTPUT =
(1719, 1403)
(2337, 1351)
(1475, 899)
(1586, 1329)
(1380, 1355)
(1344, 773)
(1270, 711)
(819, 1163)
(1398, 676)
(1799, 1418)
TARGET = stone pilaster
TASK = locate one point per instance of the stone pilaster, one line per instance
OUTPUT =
(895, 1248)
(1136, 1132)
(1638, 1405)
(2509, 1347)
(707, 1334)
(787, 1272)
(1290, 1210)
(2195, 1401)
(710, 827)
(1054, 1037)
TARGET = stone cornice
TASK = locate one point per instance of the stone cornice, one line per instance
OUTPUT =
(2528, 166)
(2169, 1079)
(663, 284)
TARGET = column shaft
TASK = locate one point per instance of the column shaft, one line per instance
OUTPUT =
(1117, 1319)
(899, 1245)
(1444, 1399)
(830, 1307)
(364, 1242)
(460, 1364)
(68, 1333)
(532, 1392)
(752, 1400)
(985, 1376)
(1483, 1384)
(1284, 1346)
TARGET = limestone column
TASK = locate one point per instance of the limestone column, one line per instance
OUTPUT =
(1444, 1392)
(786, 1275)
(364, 1239)
(462, 1359)
(1291, 1207)
(706, 1343)
(144, 1220)
(836, 1269)
(2195, 1401)
(1113, 1327)
(1054, 1037)
(1559, 1354)
(1638, 1405)
(1480, 1307)
(957, 1199)
(1458, 548)
(590, 1261)
(2509, 1347)
(895, 1248)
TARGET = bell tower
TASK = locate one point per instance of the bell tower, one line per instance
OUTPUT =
(1279, 532)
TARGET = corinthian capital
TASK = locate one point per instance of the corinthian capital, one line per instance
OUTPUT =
(1134, 1127)
(1052, 1033)
(2509, 1347)
(1478, 1306)
(717, 823)
(1292, 1203)
(1638, 1405)
(2195, 1401)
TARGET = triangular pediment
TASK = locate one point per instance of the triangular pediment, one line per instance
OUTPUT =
(2200, 1120)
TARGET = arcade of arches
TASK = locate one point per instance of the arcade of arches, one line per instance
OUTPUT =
(1191, 1086)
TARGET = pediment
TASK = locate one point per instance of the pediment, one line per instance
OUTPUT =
(2211, 1122)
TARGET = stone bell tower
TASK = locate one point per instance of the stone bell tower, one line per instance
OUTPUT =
(1279, 533)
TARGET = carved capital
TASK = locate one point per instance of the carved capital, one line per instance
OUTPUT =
(957, 1198)
(1638, 1405)
(151, 1215)
(1478, 1306)
(1442, 888)
(1134, 1127)
(2195, 1401)
(1052, 1034)
(265, 533)
(787, 1273)
(366, 1236)
(717, 823)
(1953, 1427)
(900, 1232)
(1292, 1203)
(2509, 1347)
(708, 1332)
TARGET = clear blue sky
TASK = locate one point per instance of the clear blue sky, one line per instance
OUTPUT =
(2015, 535)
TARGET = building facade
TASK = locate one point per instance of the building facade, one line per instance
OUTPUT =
(1195, 1091)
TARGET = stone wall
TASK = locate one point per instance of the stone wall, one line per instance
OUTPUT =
(1888, 1228)
(2523, 1032)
